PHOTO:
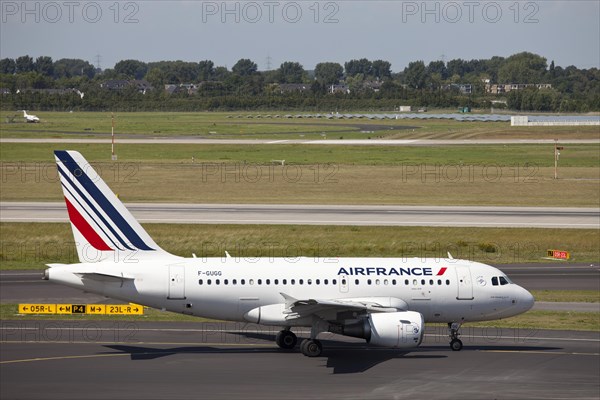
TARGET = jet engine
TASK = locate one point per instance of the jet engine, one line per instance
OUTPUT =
(403, 329)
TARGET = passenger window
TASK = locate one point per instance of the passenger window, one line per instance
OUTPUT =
(356, 282)
(293, 282)
(208, 282)
(277, 281)
(377, 281)
(385, 282)
(259, 281)
(251, 281)
(200, 282)
(343, 281)
(503, 281)
(326, 281)
(448, 282)
(439, 282)
(369, 281)
(285, 281)
(393, 282)
(268, 281)
(334, 282)
(301, 281)
(317, 282)
(495, 281)
(406, 282)
(431, 282)
(423, 282)
(415, 282)
(243, 281)
(309, 281)
(234, 282)
(226, 282)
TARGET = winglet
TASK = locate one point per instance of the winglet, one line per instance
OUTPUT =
(289, 300)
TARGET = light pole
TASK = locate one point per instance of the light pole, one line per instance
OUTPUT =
(556, 155)
(112, 134)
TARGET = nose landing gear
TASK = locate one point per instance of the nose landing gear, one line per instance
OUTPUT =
(455, 343)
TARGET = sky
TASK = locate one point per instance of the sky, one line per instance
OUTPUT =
(270, 32)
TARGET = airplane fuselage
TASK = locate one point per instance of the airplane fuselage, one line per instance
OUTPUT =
(229, 288)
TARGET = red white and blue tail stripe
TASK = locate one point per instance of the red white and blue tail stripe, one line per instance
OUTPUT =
(103, 228)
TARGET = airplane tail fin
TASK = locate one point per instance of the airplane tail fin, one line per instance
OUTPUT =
(102, 227)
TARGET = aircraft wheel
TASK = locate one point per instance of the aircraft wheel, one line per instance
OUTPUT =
(456, 345)
(286, 339)
(311, 348)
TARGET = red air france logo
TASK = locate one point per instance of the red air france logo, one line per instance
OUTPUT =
(390, 271)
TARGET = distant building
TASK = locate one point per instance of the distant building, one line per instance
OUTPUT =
(501, 88)
(373, 85)
(141, 85)
(339, 88)
(293, 87)
(189, 88)
(115, 84)
(463, 88)
(59, 92)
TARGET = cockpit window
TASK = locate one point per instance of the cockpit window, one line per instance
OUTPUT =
(503, 280)
(495, 281)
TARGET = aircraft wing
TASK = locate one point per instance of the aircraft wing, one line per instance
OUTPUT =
(329, 308)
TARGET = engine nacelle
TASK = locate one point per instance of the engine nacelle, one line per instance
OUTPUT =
(402, 329)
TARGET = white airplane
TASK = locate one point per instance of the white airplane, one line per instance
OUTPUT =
(383, 300)
(30, 118)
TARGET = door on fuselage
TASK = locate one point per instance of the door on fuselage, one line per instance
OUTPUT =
(176, 282)
(464, 282)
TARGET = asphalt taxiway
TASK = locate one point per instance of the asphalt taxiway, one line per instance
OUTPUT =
(133, 360)
(304, 214)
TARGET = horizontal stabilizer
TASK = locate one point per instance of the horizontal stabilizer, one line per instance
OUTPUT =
(103, 277)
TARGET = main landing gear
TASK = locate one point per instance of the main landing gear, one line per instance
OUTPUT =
(455, 343)
(311, 347)
(286, 339)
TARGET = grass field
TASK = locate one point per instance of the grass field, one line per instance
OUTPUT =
(32, 245)
(520, 175)
(239, 125)
(583, 296)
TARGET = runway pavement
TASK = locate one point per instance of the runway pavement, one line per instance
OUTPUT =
(475, 216)
(28, 286)
(144, 139)
(134, 360)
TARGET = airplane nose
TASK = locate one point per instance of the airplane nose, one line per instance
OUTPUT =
(525, 299)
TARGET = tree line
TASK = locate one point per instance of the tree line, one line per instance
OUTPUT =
(369, 84)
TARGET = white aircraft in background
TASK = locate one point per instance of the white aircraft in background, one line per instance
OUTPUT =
(385, 301)
(30, 118)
